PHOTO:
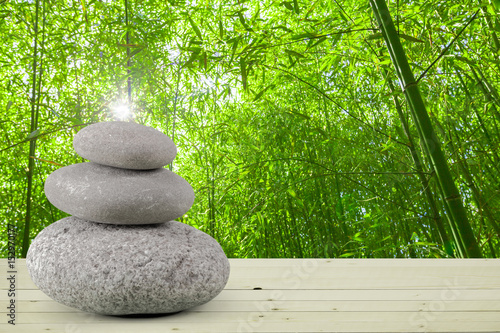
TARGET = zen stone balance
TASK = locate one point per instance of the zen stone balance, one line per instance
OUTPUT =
(121, 252)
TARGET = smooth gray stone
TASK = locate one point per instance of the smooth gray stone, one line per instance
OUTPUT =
(120, 269)
(106, 194)
(125, 145)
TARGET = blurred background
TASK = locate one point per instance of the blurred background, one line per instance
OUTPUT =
(289, 118)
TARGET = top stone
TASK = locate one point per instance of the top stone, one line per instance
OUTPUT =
(125, 145)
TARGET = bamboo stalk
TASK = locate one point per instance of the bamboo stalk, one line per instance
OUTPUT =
(174, 113)
(491, 28)
(489, 93)
(427, 135)
(33, 127)
(482, 204)
(436, 217)
(129, 78)
(478, 115)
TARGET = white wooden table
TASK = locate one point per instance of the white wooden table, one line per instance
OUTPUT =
(299, 295)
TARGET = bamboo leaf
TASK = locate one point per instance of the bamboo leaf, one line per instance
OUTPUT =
(51, 162)
(319, 129)
(84, 10)
(301, 115)
(343, 16)
(410, 38)
(296, 7)
(259, 95)
(376, 35)
(194, 49)
(130, 56)
(464, 59)
(317, 42)
(9, 104)
(131, 45)
(291, 60)
(73, 120)
(257, 12)
(221, 30)
(243, 22)
(243, 67)
(400, 131)
(233, 49)
(191, 59)
(294, 54)
(242, 19)
(133, 53)
(195, 28)
(311, 8)
(122, 36)
(33, 134)
(305, 35)
(287, 4)
(282, 27)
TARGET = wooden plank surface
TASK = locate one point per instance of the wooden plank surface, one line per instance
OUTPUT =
(300, 295)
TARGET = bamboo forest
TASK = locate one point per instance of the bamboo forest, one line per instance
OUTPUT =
(307, 128)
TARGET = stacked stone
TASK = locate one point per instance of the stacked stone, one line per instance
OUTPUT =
(121, 252)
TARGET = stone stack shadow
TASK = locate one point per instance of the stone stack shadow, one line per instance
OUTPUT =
(121, 253)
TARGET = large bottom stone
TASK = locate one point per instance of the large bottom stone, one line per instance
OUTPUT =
(122, 269)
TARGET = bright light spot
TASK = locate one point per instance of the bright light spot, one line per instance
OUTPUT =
(121, 111)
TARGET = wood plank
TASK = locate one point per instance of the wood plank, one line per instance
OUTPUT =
(366, 283)
(351, 271)
(308, 264)
(312, 295)
(330, 277)
(271, 322)
(458, 282)
(343, 262)
(230, 316)
(270, 327)
(301, 305)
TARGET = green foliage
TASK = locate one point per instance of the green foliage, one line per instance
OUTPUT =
(283, 113)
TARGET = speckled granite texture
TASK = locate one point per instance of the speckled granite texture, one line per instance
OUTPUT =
(125, 145)
(112, 195)
(119, 270)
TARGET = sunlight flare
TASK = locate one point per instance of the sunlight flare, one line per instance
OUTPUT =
(121, 111)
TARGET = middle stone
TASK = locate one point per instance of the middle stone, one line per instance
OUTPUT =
(120, 196)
